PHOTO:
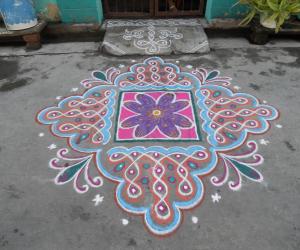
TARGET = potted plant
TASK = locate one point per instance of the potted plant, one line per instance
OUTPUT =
(18, 14)
(272, 13)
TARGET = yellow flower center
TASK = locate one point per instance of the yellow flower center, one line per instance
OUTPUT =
(156, 112)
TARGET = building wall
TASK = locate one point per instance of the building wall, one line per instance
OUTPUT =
(48, 9)
(224, 9)
(70, 11)
(90, 11)
(78, 11)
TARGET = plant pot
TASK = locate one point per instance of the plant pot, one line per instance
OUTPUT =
(18, 14)
(264, 21)
(259, 34)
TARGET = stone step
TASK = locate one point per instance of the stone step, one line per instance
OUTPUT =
(154, 37)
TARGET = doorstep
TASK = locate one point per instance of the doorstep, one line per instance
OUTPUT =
(154, 37)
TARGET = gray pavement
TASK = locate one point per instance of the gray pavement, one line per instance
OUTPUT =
(36, 214)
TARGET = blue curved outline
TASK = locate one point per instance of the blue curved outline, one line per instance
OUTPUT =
(195, 80)
(244, 133)
(73, 136)
(176, 205)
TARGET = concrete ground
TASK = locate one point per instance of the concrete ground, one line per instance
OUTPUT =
(36, 214)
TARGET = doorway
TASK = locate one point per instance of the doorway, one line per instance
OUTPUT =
(153, 8)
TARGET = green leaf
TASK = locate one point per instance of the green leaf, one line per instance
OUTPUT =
(280, 21)
(248, 18)
(99, 75)
(247, 171)
(272, 18)
(69, 172)
(212, 75)
(273, 6)
(283, 4)
(294, 8)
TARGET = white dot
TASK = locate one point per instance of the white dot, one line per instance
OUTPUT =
(200, 154)
(58, 97)
(125, 222)
(195, 219)
(74, 89)
(41, 134)
(278, 126)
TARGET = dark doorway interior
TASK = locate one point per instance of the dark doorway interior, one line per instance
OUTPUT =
(153, 8)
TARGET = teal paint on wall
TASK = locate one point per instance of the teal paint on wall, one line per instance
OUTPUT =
(79, 16)
(224, 9)
(71, 4)
(78, 11)
(74, 11)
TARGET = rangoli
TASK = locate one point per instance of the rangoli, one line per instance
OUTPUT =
(157, 130)
(153, 39)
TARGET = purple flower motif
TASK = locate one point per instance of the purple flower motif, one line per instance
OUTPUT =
(161, 114)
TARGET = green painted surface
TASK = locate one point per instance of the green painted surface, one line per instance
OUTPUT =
(74, 11)
(224, 9)
(78, 11)
(79, 16)
(78, 4)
